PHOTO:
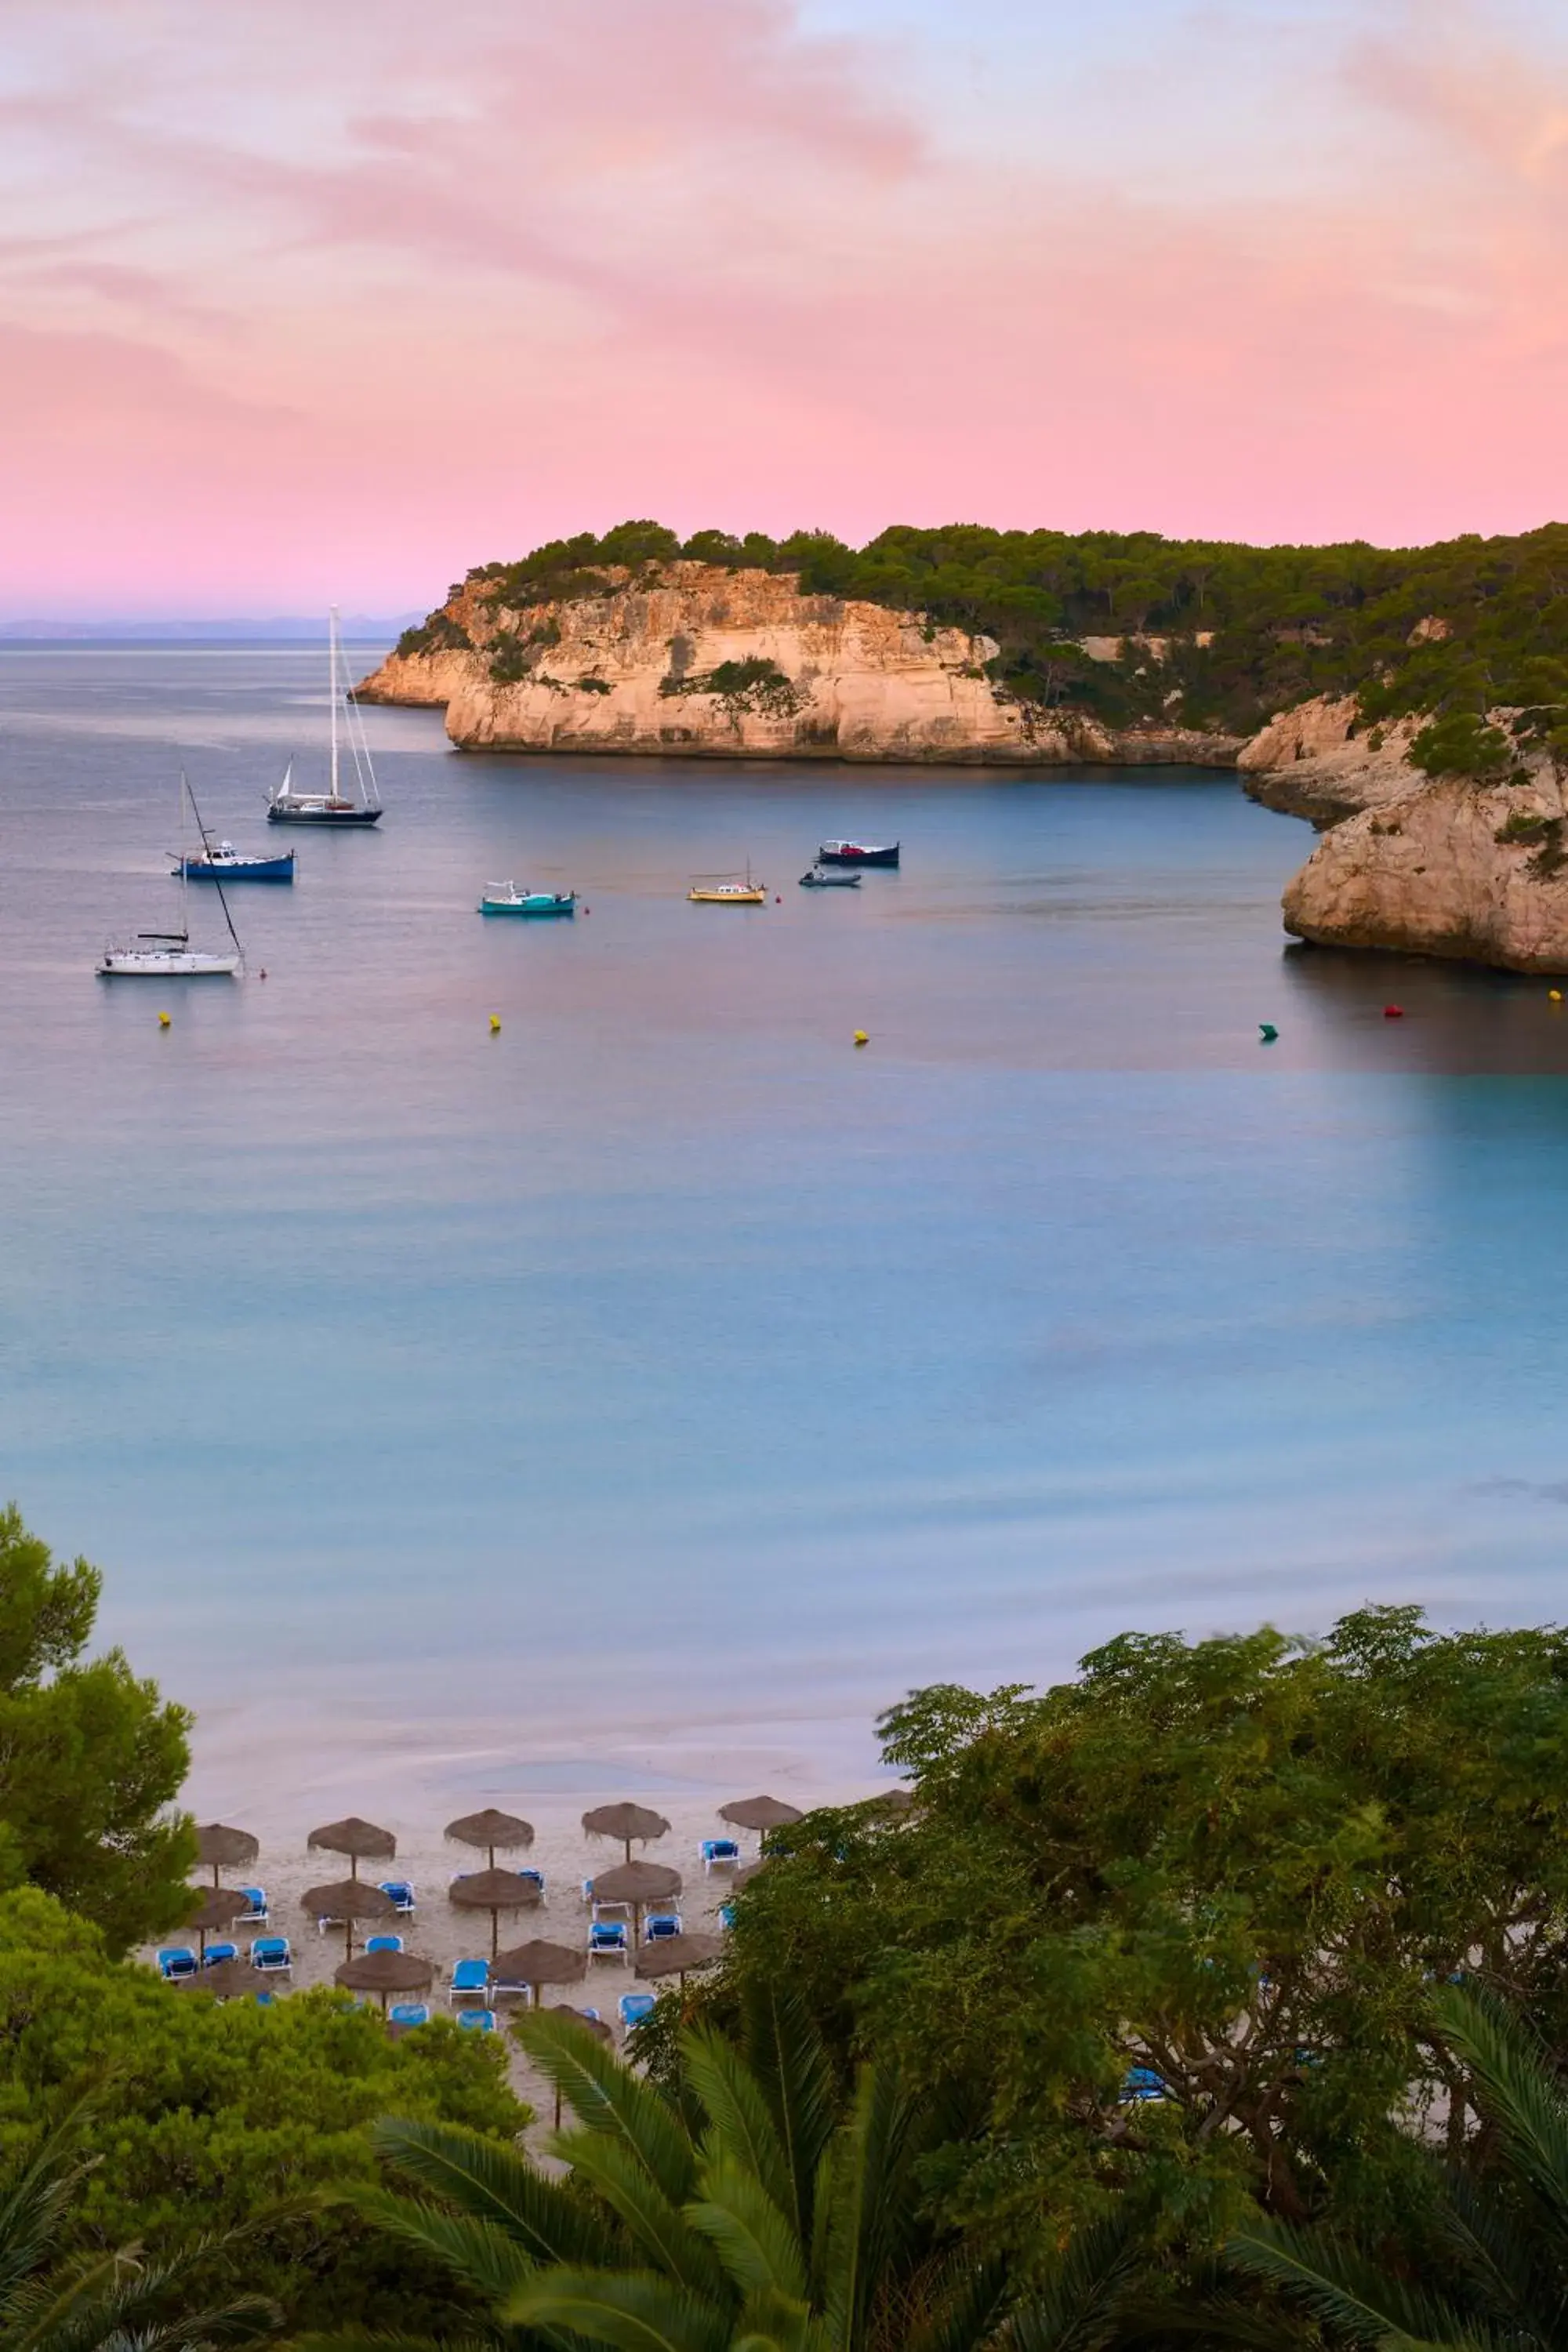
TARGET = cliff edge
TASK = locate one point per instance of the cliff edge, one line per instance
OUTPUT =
(1473, 869)
(690, 659)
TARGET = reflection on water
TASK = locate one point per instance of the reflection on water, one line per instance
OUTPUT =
(660, 1379)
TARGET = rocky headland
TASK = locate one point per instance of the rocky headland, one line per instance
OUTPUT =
(698, 660)
(1442, 822)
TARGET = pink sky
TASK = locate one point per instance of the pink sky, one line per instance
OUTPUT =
(304, 301)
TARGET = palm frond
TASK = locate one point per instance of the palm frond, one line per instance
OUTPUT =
(864, 2190)
(1076, 2306)
(1338, 2285)
(756, 2241)
(969, 2301)
(483, 2256)
(496, 2185)
(631, 2310)
(607, 2097)
(790, 2062)
(739, 2117)
(659, 2230)
(1514, 2089)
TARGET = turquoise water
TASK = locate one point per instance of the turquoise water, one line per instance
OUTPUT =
(663, 1376)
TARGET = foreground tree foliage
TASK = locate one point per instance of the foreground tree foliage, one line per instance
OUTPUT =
(1214, 634)
(51, 2302)
(1496, 2269)
(92, 1758)
(209, 2116)
(760, 2209)
(1238, 1866)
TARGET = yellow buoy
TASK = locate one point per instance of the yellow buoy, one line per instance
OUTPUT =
(495, 1023)
(162, 1020)
(1555, 995)
(861, 1038)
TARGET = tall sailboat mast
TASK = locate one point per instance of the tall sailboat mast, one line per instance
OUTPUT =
(332, 666)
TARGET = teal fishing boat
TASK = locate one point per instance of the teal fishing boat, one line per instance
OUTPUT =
(506, 898)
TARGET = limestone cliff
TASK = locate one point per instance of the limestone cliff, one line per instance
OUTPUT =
(1442, 866)
(694, 659)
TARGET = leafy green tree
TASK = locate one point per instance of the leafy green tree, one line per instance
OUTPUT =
(761, 2206)
(1461, 744)
(714, 547)
(1235, 1866)
(1494, 2271)
(115, 2300)
(637, 544)
(211, 2114)
(92, 1758)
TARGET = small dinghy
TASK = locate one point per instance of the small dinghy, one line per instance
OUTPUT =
(506, 898)
(822, 878)
(858, 853)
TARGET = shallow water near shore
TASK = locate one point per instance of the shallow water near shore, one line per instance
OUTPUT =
(643, 1395)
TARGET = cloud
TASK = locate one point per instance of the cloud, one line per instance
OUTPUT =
(432, 284)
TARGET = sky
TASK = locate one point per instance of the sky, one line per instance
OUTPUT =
(305, 302)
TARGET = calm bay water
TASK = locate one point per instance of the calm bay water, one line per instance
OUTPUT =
(655, 1389)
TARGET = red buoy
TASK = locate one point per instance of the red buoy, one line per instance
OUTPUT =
(1393, 1012)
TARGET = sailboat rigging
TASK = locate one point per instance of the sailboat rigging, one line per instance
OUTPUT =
(169, 955)
(334, 806)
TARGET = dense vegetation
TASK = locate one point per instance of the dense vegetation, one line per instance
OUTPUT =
(1238, 632)
(1218, 1994)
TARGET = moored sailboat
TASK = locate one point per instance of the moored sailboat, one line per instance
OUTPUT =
(334, 806)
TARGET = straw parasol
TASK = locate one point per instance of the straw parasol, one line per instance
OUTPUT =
(211, 1913)
(360, 1840)
(744, 1877)
(629, 1824)
(538, 1963)
(493, 1832)
(760, 1814)
(494, 1891)
(348, 1899)
(221, 1848)
(672, 1956)
(636, 1883)
(385, 1973)
(229, 1980)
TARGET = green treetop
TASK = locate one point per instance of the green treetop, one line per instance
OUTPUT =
(91, 1758)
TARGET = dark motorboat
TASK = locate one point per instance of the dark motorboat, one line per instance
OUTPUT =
(822, 878)
(857, 852)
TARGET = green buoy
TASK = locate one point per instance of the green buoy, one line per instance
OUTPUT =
(1268, 1032)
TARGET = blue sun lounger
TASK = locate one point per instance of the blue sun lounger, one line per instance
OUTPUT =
(477, 2021)
(408, 2013)
(256, 1913)
(719, 1853)
(383, 1943)
(661, 1926)
(176, 1962)
(271, 1952)
(399, 1893)
(469, 1976)
(608, 1940)
(633, 2006)
(1141, 2083)
(216, 1952)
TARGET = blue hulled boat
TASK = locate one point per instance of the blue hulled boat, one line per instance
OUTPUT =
(506, 898)
(224, 863)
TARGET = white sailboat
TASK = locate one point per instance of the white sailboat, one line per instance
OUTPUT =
(334, 806)
(169, 955)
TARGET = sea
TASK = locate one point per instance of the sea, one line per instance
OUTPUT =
(650, 1391)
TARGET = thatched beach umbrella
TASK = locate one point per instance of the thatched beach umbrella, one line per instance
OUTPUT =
(385, 1973)
(348, 1899)
(493, 1831)
(760, 1813)
(631, 1823)
(494, 1891)
(744, 1876)
(672, 1956)
(230, 1980)
(361, 1841)
(220, 1848)
(540, 1963)
(636, 1883)
(211, 1913)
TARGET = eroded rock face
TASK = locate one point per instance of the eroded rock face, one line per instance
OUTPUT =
(1315, 762)
(1453, 868)
(625, 673)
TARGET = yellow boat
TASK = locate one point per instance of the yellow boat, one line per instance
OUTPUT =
(714, 890)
